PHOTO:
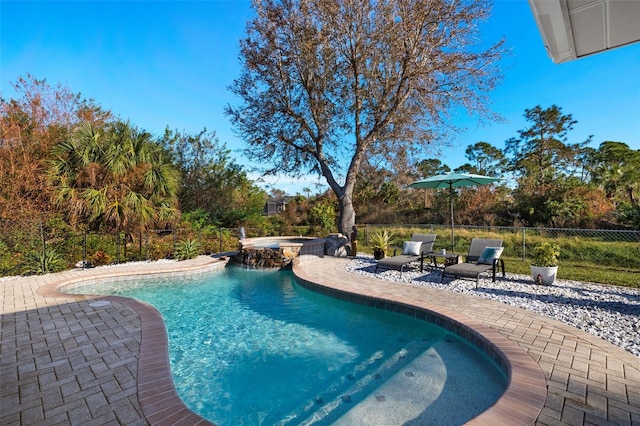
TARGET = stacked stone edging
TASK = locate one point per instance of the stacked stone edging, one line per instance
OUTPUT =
(277, 258)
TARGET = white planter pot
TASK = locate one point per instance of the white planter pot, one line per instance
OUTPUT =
(545, 275)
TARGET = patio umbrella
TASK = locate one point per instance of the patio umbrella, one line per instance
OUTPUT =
(453, 180)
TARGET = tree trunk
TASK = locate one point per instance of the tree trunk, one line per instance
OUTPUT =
(347, 218)
(632, 198)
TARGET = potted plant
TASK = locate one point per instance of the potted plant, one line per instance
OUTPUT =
(544, 263)
(379, 242)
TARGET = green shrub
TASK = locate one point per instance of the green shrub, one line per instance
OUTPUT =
(322, 215)
(187, 249)
(100, 258)
(43, 262)
(7, 261)
(545, 255)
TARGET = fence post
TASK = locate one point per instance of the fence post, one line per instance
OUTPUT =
(44, 247)
(146, 244)
(173, 249)
(84, 250)
(524, 244)
(220, 235)
(117, 247)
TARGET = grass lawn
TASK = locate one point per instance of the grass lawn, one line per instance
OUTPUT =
(578, 271)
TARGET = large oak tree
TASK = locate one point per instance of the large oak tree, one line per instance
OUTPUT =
(325, 83)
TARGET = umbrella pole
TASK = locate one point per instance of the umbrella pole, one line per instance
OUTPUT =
(451, 208)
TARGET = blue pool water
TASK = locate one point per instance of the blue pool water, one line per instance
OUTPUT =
(253, 348)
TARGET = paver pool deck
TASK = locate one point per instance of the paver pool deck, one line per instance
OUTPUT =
(96, 360)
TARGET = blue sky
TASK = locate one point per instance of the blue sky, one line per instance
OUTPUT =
(160, 63)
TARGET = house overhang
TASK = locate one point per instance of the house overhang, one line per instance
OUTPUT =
(572, 29)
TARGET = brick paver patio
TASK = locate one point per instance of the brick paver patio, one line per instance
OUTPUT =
(589, 381)
(66, 359)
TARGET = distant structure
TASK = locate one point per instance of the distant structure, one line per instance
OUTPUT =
(275, 206)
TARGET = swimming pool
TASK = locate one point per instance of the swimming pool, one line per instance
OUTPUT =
(252, 347)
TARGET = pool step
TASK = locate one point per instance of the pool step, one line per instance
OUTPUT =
(403, 397)
(347, 392)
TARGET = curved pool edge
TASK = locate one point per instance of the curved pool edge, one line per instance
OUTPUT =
(159, 401)
(526, 392)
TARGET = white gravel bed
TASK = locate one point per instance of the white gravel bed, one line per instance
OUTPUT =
(609, 312)
(111, 266)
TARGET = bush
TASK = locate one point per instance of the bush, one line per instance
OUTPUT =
(7, 261)
(100, 258)
(322, 215)
(43, 262)
(545, 255)
(188, 249)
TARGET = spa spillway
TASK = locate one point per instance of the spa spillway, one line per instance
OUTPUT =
(277, 252)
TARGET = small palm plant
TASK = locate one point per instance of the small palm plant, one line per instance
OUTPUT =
(379, 242)
(188, 249)
(43, 262)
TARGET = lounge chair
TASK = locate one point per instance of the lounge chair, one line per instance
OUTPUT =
(415, 249)
(484, 255)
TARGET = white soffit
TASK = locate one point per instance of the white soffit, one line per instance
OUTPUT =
(572, 29)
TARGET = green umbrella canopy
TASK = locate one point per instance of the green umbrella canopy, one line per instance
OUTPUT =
(453, 180)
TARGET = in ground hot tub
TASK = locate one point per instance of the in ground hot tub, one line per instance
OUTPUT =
(277, 252)
(277, 242)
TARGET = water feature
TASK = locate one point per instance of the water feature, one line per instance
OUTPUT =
(252, 347)
(276, 252)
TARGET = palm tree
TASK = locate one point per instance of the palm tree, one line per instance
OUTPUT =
(116, 178)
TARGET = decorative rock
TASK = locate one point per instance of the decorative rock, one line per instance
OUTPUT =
(263, 258)
(84, 264)
(337, 245)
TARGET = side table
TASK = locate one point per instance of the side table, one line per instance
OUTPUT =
(448, 259)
